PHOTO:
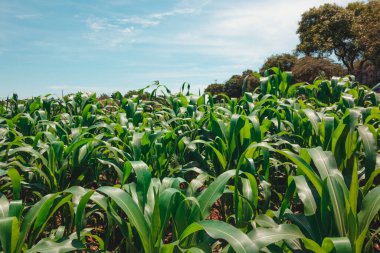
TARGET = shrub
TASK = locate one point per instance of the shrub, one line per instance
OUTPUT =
(215, 88)
(285, 61)
(308, 68)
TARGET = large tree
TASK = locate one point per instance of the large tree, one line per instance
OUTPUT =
(367, 29)
(351, 33)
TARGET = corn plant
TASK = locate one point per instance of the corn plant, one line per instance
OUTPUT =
(287, 168)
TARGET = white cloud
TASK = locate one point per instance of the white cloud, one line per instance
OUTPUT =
(109, 34)
(96, 25)
(27, 16)
(243, 32)
(178, 11)
(145, 22)
(119, 31)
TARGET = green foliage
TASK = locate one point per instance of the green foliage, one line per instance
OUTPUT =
(236, 85)
(289, 168)
(307, 69)
(285, 62)
(326, 30)
(350, 33)
(366, 27)
(215, 89)
(233, 86)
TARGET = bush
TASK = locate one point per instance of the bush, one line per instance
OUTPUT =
(308, 68)
(103, 96)
(137, 94)
(285, 61)
(215, 88)
(233, 87)
(252, 81)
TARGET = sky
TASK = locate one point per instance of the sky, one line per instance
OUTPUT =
(102, 46)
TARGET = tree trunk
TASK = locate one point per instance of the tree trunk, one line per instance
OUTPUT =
(358, 72)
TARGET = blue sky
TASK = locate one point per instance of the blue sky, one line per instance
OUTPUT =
(49, 45)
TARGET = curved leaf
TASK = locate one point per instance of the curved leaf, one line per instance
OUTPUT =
(370, 149)
(239, 241)
(265, 236)
(213, 192)
(128, 206)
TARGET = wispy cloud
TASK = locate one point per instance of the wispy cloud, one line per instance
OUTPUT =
(27, 16)
(154, 19)
(120, 44)
(178, 11)
(109, 34)
(145, 22)
(244, 33)
(114, 32)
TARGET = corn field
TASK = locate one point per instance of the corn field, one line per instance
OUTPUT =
(287, 168)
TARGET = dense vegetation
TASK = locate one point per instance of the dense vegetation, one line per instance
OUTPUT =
(351, 34)
(288, 168)
(305, 69)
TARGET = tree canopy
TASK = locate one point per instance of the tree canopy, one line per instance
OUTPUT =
(233, 87)
(351, 33)
(285, 61)
(308, 68)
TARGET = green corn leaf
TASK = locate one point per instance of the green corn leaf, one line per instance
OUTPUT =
(40, 212)
(305, 195)
(16, 183)
(239, 241)
(370, 208)
(262, 237)
(4, 206)
(50, 246)
(9, 233)
(370, 149)
(144, 178)
(15, 209)
(136, 217)
(166, 202)
(338, 244)
(222, 160)
(327, 168)
(313, 118)
(213, 192)
(80, 212)
(370, 181)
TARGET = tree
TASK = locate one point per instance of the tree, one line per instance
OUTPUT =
(233, 86)
(308, 68)
(367, 29)
(326, 30)
(285, 61)
(215, 88)
(351, 33)
(251, 78)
